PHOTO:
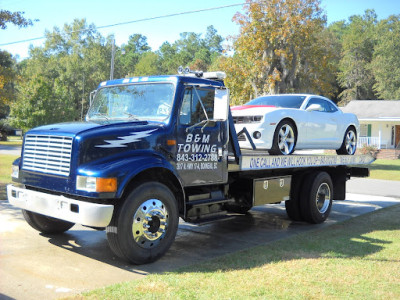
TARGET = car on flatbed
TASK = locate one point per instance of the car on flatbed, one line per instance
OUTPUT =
(159, 148)
(283, 123)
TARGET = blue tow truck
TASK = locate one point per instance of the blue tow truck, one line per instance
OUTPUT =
(156, 149)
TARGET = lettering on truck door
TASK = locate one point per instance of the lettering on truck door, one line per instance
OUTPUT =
(201, 157)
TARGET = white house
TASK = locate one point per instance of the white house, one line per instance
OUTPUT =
(379, 122)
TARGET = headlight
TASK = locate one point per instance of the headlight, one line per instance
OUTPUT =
(247, 119)
(15, 171)
(96, 184)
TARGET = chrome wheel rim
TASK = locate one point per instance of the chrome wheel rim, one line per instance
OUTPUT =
(323, 198)
(350, 142)
(150, 223)
(286, 139)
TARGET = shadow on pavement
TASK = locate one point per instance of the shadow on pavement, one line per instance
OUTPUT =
(260, 226)
(193, 243)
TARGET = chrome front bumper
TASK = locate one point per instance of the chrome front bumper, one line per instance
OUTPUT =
(60, 207)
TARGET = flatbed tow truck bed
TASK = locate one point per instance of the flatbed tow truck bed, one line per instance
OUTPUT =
(260, 160)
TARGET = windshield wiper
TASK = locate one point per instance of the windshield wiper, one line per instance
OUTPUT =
(101, 115)
(131, 116)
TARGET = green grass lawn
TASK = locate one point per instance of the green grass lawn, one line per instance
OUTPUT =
(5, 167)
(5, 173)
(385, 169)
(12, 141)
(356, 259)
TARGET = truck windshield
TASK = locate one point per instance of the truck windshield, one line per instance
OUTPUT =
(134, 102)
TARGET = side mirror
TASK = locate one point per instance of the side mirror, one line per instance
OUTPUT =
(221, 104)
(314, 107)
(92, 94)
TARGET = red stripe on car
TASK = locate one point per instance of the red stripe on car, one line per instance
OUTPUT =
(250, 106)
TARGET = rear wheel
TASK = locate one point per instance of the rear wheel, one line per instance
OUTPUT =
(46, 224)
(349, 145)
(316, 197)
(144, 226)
(285, 138)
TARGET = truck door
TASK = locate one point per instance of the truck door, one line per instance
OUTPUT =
(202, 142)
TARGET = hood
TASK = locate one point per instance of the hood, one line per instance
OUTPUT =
(119, 138)
(252, 110)
(65, 129)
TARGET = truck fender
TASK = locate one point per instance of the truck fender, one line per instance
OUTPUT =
(150, 168)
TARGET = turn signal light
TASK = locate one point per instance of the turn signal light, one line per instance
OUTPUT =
(96, 184)
(171, 142)
(104, 185)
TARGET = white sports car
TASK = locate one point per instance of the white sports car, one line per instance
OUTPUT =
(283, 123)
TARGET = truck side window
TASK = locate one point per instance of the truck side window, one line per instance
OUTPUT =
(191, 110)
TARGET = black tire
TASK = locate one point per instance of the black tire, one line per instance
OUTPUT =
(293, 205)
(46, 224)
(144, 226)
(285, 138)
(316, 197)
(349, 144)
(293, 210)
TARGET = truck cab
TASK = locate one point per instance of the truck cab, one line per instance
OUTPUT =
(168, 129)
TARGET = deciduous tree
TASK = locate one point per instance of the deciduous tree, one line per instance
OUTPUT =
(59, 76)
(192, 51)
(358, 43)
(15, 18)
(8, 77)
(385, 63)
(129, 55)
(280, 50)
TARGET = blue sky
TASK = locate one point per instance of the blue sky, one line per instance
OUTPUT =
(58, 12)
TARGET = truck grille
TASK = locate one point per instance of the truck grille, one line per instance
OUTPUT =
(48, 154)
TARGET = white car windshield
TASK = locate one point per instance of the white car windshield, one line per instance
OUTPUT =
(134, 102)
(287, 101)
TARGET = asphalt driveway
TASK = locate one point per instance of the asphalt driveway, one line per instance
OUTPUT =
(33, 265)
(11, 150)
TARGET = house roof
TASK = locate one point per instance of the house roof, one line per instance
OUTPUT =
(374, 109)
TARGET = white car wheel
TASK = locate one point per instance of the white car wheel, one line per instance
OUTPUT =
(349, 145)
(284, 139)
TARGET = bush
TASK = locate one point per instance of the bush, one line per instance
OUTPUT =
(371, 150)
(5, 130)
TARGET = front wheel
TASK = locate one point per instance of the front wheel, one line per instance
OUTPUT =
(349, 144)
(46, 224)
(144, 226)
(285, 138)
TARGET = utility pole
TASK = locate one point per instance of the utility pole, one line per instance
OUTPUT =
(112, 60)
(83, 96)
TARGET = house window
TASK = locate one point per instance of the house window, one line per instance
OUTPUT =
(364, 130)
